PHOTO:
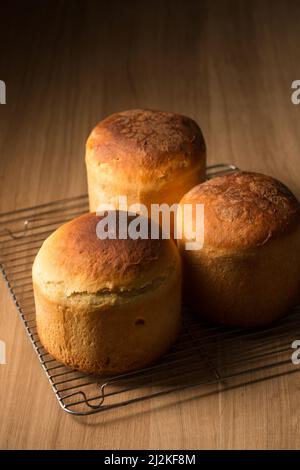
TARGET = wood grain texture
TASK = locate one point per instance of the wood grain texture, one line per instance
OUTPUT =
(227, 64)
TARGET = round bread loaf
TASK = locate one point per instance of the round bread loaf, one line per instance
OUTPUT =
(102, 305)
(248, 272)
(148, 156)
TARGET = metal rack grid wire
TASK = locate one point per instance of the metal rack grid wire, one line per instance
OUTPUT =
(204, 354)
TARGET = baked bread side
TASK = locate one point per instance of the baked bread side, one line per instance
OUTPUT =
(106, 306)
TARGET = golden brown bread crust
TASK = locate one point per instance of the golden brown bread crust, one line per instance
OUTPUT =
(106, 306)
(147, 139)
(148, 156)
(76, 260)
(244, 209)
(248, 272)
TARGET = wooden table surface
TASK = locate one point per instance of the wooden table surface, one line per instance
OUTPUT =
(227, 64)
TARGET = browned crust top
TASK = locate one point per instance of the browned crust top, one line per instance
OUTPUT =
(244, 209)
(146, 138)
(74, 255)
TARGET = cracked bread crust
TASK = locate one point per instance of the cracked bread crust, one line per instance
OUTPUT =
(149, 156)
(146, 138)
(74, 260)
(244, 209)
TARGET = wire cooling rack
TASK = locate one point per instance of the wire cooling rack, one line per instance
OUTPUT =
(203, 355)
